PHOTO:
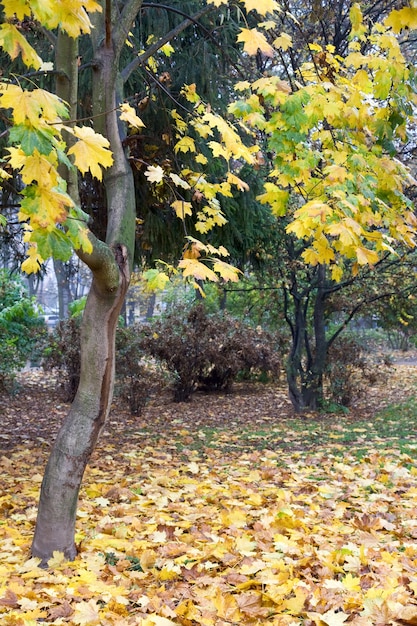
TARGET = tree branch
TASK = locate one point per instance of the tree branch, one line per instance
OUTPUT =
(174, 32)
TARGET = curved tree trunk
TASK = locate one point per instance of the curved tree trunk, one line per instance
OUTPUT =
(79, 433)
(110, 263)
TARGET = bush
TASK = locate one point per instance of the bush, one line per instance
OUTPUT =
(349, 372)
(22, 329)
(199, 351)
(209, 351)
(136, 378)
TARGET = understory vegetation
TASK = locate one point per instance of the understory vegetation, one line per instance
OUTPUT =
(22, 330)
(195, 350)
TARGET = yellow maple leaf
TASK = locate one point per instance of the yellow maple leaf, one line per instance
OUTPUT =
(91, 152)
(21, 102)
(311, 256)
(276, 197)
(365, 256)
(301, 228)
(226, 606)
(242, 85)
(245, 545)
(186, 144)
(231, 139)
(200, 271)
(58, 558)
(200, 158)
(48, 207)
(18, 8)
(337, 273)
(262, 6)
(14, 43)
(351, 583)
(238, 182)
(29, 106)
(51, 105)
(32, 264)
(325, 252)
(295, 604)
(73, 17)
(38, 168)
(17, 157)
(182, 209)
(86, 613)
(284, 41)
(128, 114)
(356, 18)
(219, 150)
(402, 18)
(253, 40)
(227, 272)
(189, 92)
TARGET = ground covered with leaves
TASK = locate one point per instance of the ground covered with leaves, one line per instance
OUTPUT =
(227, 510)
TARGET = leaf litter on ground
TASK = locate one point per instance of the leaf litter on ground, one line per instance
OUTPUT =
(227, 510)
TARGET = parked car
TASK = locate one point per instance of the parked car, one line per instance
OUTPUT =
(51, 319)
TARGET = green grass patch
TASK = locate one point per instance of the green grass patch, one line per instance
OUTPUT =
(391, 430)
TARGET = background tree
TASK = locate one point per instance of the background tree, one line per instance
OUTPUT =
(331, 132)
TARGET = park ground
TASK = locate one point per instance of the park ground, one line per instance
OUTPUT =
(227, 510)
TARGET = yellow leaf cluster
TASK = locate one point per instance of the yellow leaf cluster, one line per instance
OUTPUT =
(328, 143)
(37, 117)
(70, 16)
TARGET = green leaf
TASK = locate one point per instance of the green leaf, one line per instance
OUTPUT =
(31, 138)
(155, 280)
(54, 243)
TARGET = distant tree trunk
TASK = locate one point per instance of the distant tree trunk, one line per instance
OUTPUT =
(150, 308)
(306, 363)
(63, 286)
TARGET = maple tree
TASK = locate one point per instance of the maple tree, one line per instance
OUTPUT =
(48, 148)
(341, 196)
(44, 140)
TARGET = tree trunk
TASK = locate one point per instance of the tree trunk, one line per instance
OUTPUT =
(305, 367)
(63, 286)
(78, 435)
(111, 264)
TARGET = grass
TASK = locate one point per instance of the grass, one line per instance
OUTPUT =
(391, 429)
